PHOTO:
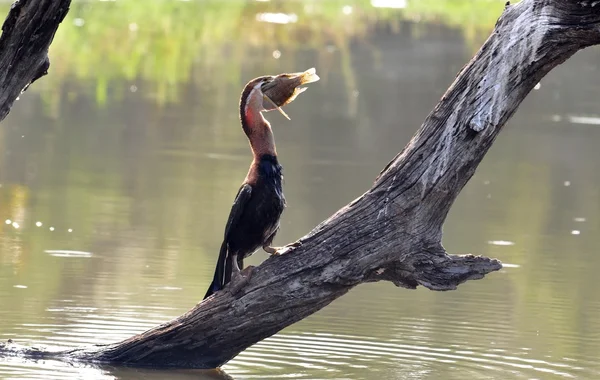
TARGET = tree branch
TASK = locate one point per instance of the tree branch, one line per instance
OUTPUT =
(392, 232)
(26, 35)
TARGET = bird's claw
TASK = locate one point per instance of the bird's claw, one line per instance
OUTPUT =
(240, 279)
(287, 248)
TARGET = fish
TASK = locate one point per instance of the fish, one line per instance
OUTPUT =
(284, 88)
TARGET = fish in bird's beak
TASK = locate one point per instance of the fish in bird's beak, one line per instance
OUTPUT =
(284, 88)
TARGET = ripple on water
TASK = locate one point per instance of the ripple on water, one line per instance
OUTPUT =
(462, 342)
(67, 253)
(415, 348)
(451, 342)
(334, 356)
(16, 368)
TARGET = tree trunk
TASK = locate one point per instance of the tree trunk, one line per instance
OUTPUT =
(392, 232)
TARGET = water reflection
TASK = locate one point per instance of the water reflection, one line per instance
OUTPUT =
(129, 165)
(14, 368)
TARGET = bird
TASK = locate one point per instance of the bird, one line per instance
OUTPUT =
(254, 217)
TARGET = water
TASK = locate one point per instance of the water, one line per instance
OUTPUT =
(129, 159)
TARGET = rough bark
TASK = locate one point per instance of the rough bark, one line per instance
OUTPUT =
(26, 35)
(392, 232)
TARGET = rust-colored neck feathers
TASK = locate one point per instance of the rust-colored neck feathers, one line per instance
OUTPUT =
(256, 127)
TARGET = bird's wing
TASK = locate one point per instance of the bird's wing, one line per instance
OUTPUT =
(235, 214)
(241, 199)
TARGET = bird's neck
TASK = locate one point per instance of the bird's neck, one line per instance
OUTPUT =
(256, 127)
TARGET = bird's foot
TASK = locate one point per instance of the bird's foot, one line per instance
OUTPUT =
(235, 268)
(275, 251)
(240, 279)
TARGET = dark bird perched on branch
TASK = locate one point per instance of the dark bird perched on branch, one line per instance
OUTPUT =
(254, 217)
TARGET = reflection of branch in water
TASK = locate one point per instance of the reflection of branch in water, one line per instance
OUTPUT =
(155, 374)
(350, 78)
(92, 370)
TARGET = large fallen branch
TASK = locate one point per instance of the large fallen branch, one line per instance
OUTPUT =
(392, 232)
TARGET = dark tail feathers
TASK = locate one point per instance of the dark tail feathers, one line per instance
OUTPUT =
(218, 281)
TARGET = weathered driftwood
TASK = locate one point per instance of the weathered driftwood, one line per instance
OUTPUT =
(26, 35)
(392, 232)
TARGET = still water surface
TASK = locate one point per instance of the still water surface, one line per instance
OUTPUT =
(117, 196)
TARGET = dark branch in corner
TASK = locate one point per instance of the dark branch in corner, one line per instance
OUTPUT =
(27, 33)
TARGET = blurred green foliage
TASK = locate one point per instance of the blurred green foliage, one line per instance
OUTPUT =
(168, 43)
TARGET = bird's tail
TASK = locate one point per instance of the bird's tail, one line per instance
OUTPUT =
(218, 281)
